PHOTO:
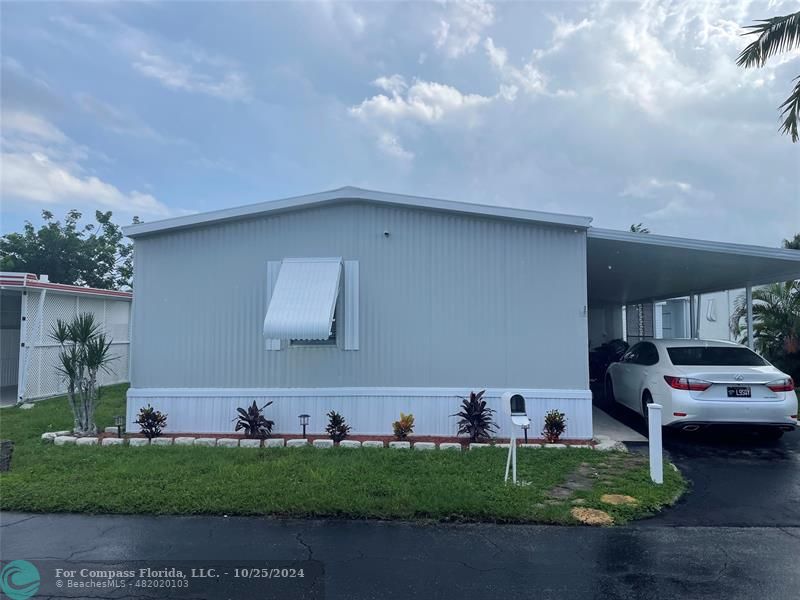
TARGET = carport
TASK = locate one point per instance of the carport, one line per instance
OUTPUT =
(625, 268)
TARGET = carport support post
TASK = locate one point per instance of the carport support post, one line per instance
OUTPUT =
(748, 295)
(654, 433)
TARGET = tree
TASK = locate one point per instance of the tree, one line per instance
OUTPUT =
(84, 352)
(778, 34)
(776, 324)
(794, 243)
(639, 228)
(95, 255)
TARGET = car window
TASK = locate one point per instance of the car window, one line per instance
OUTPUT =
(647, 355)
(630, 355)
(717, 356)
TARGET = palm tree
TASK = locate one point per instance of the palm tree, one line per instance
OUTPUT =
(778, 34)
(639, 228)
(776, 324)
(792, 244)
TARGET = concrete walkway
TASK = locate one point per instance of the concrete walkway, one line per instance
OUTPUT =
(605, 424)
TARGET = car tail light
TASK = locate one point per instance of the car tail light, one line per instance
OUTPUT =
(781, 385)
(679, 414)
(687, 383)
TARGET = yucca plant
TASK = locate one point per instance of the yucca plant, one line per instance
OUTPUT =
(475, 418)
(253, 421)
(84, 354)
(404, 426)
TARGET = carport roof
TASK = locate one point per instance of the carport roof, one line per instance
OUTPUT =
(625, 267)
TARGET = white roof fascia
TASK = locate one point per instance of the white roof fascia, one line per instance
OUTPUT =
(346, 194)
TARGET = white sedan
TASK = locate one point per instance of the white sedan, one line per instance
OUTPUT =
(699, 382)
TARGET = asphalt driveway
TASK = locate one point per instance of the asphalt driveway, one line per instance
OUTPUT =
(737, 478)
(384, 560)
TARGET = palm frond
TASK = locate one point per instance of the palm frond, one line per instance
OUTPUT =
(83, 328)
(60, 332)
(775, 35)
(790, 109)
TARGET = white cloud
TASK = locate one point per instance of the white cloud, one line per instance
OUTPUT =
(180, 66)
(36, 178)
(423, 101)
(460, 29)
(30, 125)
(120, 121)
(40, 164)
(230, 85)
(662, 199)
(528, 78)
(390, 145)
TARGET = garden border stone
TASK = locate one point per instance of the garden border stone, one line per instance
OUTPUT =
(136, 442)
(372, 444)
(400, 445)
(296, 443)
(64, 440)
(322, 443)
(184, 441)
(161, 441)
(206, 442)
(450, 446)
(227, 443)
(86, 441)
(274, 443)
(424, 446)
(349, 444)
(249, 443)
(113, 442)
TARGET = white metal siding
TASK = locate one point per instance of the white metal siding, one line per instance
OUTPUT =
(446, 300)
(369, 411)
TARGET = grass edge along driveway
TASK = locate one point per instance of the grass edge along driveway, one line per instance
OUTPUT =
(309, 482)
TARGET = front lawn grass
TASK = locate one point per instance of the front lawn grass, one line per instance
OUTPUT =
(304, 482)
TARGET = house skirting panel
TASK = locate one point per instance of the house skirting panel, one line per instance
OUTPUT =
(369, 411)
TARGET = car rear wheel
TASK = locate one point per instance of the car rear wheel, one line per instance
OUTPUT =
(646, 399)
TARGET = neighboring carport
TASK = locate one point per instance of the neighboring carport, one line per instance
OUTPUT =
(625, 268)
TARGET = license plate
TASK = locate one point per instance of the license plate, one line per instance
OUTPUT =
(738, 392)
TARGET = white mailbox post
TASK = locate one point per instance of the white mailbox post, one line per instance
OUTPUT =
(514, 407)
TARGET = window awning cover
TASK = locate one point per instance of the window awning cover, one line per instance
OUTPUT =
(304, 299)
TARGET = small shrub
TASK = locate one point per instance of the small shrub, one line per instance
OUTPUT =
(151, 421)
(555, 423)
(253, 421)
(475, 418)
(404, 426)
(337, 429)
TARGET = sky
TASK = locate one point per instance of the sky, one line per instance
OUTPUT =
(625, 112)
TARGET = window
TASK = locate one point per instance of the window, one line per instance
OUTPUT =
(630, 355)
(715, 356)
(312, 302)
(647, 355)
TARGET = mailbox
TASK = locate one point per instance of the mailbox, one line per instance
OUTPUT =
(514, 405)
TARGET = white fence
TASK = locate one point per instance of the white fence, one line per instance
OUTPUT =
(38, 358)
